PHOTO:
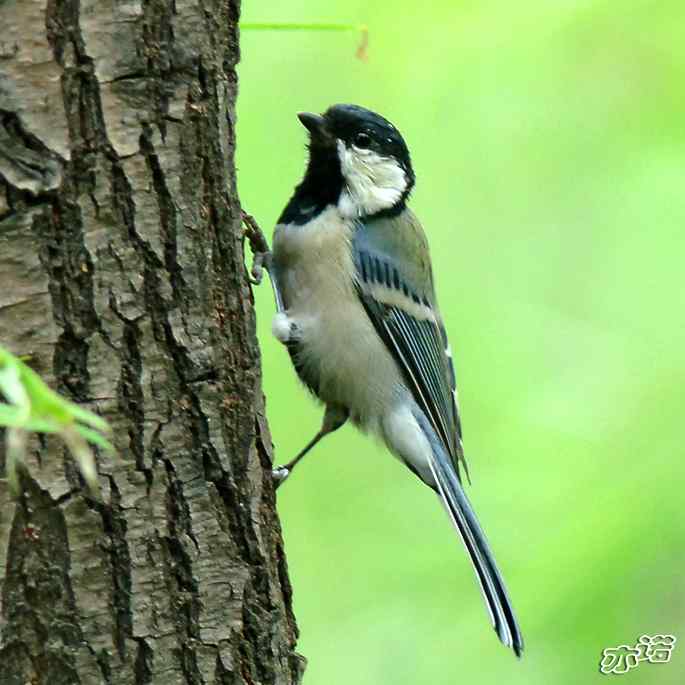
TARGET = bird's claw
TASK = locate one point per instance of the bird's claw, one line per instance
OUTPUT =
(260, 262)
(260, 249)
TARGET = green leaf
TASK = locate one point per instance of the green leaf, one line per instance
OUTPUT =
(84, 458)
(12, 387)
(95, 438)
(12, 417)
(33, 406)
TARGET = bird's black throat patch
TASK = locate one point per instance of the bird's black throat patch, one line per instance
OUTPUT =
(320, 187)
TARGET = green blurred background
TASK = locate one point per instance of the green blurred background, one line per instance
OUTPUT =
(548, 140)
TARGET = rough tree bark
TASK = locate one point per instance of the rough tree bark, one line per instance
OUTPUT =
(121, 272)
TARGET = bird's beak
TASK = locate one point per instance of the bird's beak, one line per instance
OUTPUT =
(315, 124)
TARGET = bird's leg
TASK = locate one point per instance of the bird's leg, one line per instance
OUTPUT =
(332, 420)
(260, 248)
(287, 332)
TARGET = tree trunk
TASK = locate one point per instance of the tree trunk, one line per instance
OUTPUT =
(122, 274)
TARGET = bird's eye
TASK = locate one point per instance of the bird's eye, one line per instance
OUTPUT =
(362, 140)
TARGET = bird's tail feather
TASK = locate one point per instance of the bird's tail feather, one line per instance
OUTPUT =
(464, 519)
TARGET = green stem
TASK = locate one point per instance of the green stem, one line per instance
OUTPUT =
(274, 26)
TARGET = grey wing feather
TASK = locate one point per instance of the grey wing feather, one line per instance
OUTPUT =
(388, 254)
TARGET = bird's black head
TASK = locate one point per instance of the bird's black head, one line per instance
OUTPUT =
(358, 127)
(357, 160)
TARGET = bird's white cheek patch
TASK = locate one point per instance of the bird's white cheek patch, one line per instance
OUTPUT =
(372, 182)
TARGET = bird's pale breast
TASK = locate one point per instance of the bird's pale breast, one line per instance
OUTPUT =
(337, 340)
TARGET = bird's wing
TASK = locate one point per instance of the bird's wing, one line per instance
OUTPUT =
(395, 285)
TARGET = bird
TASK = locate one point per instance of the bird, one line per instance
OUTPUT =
(358, 314)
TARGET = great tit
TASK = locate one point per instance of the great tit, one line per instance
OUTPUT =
(358, 314)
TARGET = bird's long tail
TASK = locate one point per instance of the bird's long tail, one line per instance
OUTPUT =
(464, 519)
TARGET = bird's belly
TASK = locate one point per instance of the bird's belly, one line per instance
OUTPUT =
(353, 368)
